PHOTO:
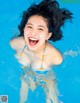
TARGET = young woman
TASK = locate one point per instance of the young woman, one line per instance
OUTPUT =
(40, 23)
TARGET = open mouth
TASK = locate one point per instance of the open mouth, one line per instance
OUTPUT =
(33, 41)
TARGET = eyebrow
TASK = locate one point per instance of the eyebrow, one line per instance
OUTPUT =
(41, 26)
(29, 24)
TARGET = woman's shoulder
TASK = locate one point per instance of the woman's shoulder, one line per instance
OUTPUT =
(17, 43)
(55, 54)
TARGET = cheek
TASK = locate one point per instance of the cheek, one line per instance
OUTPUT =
(26, 33)
(43, 36)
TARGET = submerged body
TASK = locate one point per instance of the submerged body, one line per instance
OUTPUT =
(32, 74)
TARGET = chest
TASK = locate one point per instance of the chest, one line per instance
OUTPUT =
(37, 62)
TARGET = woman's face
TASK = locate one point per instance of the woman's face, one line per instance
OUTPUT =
(36, 33)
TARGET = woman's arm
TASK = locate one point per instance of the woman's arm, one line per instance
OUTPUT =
(57, 57)
(17, 43)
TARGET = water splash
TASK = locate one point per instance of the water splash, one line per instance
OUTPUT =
(71, 53)
(61, 102)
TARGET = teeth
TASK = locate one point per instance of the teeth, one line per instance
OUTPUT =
(33, 38)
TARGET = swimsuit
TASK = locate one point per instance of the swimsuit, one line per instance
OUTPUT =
(40, 77)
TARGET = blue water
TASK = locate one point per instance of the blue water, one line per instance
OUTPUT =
(68, 73)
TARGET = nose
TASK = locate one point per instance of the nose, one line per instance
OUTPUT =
(34, 32)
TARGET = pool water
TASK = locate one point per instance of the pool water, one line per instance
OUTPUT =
(68, 73)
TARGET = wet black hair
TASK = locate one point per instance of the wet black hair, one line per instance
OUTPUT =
(51, 11)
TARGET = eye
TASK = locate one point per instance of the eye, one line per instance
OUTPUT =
(41, 29)
(29, 26)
